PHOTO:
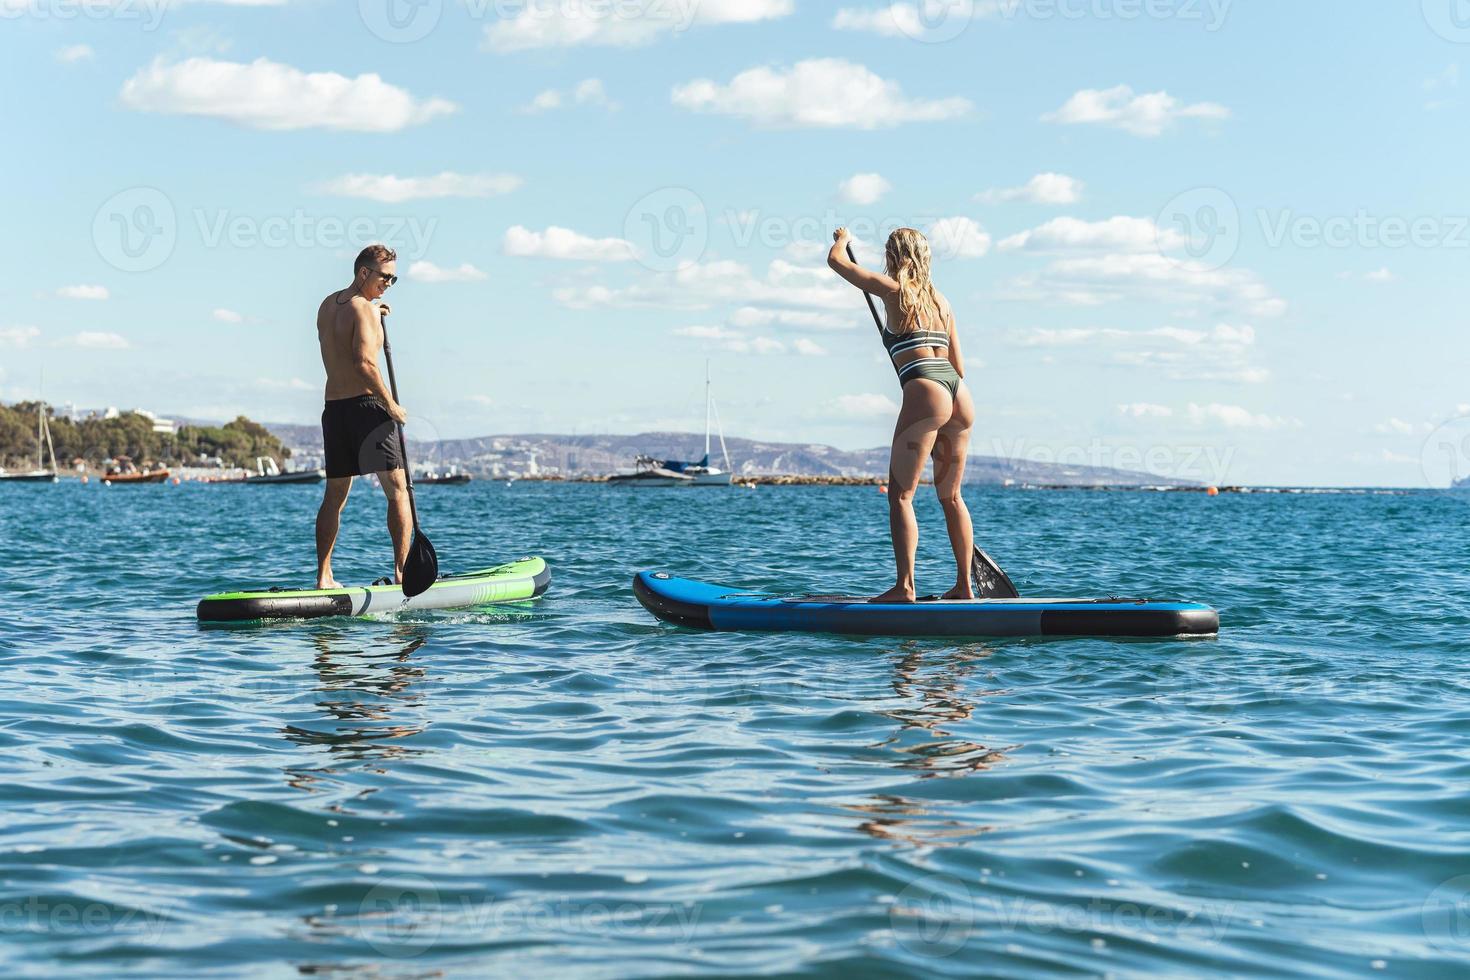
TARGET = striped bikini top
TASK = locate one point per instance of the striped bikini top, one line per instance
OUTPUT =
(902, 343)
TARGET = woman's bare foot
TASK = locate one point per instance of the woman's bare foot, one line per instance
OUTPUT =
(960, 592)
(898, 593)
(328, 583)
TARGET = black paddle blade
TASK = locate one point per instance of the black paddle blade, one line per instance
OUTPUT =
(421, 570)
(990, 581)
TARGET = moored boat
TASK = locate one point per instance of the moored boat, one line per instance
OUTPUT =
(125, 471)
(43, 443)
(267, 472)
(451, 477)
(650, 472)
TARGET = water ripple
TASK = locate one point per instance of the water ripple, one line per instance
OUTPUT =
(568, 787)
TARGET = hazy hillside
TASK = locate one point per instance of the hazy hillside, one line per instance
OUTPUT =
(596, 455)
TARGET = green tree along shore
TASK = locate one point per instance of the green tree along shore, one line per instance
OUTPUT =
(238, 443)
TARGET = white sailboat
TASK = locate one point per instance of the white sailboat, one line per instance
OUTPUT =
(652, 472)
(43, 444)
(704, 474)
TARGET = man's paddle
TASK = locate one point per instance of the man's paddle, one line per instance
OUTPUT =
(421, 568)
(991, 581)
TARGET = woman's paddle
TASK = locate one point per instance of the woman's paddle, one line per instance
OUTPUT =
(991, 581)
(421, 569)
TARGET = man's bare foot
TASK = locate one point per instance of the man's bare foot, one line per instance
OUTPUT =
(896, 594)
(328, 583)
(960, 592)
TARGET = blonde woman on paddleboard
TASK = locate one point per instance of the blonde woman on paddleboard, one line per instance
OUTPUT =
(937, 413)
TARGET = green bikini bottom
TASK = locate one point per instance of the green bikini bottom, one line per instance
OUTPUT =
(935, 369)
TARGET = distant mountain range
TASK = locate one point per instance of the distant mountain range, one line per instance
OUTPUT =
(599, 455)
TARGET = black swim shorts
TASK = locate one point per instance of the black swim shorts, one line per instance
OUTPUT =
(359, 437)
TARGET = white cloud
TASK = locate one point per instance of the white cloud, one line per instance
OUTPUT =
(392, 189)
(1243, 335)
(1235, 417)
(958, 238)
(563, 243)
(736, 342)
(817, 93)
(572, 23)
(99, 340)
(1142, 115)
(228, 316)
(863, 406)
(590, 91)
(864, 189)
(74, 53)
(16, 337)
(268, 95)
(706, 333)
(1117, 234)
(1097, 280)
(1139, 410)
(1223, 335)
(698, 286)
(1381, 275)
(751, 316)
(83, 292)
(808, 347)
(543, 102)
(289, 384)
(1220, 354)
(424, 271)
(913, 20)
(1443, 84)
(1394, 426)
(1048, 188)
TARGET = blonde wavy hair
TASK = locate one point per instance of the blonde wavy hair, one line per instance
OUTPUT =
(907, 259)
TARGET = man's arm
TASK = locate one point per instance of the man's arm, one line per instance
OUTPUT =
(367, 341)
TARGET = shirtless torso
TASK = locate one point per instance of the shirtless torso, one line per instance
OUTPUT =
(349, 332)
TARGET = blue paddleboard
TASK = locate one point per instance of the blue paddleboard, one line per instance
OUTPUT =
(702, 605)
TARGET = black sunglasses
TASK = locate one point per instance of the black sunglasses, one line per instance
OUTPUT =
(386, 279)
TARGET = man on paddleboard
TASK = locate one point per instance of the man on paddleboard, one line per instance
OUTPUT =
(361, 417)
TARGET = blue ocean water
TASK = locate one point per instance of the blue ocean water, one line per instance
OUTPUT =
(575, 789)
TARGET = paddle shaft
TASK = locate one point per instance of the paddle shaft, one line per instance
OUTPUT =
(402, 441)
(872, 307)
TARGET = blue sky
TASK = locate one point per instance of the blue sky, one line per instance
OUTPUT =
(1216, 239)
